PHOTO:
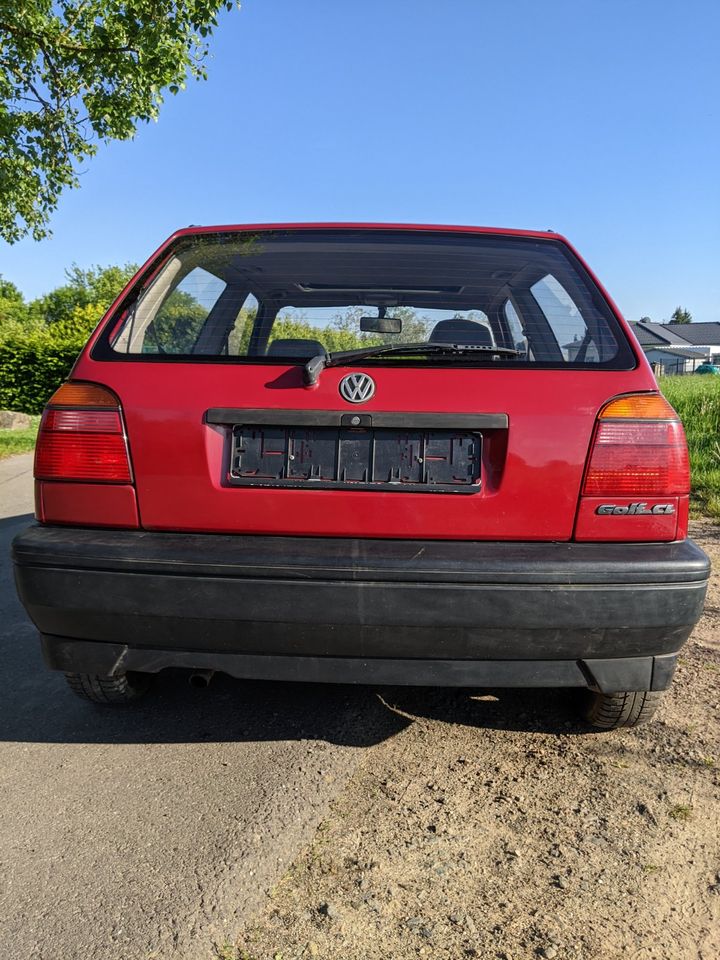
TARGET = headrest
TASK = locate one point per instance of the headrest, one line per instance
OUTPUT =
(460, 330)
(295, 347)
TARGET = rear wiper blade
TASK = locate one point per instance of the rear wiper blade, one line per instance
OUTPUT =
(315, 365)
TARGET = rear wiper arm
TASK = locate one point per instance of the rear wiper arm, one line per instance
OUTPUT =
(315, 365)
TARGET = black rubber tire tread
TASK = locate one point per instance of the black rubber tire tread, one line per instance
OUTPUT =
(123, 688)
(610, 711)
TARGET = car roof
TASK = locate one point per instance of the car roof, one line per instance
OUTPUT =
(196, 229)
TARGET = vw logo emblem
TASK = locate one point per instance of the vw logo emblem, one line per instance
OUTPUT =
(357, 387)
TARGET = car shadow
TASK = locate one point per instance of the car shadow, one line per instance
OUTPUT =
(253, 710)
(19, 522)
(40, 708)
(524, 710)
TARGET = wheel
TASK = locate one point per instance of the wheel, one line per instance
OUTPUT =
(609, 711)
(122, 688)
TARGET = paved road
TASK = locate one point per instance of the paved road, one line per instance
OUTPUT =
(151, 831)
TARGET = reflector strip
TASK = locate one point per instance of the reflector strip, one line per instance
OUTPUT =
(83, 421)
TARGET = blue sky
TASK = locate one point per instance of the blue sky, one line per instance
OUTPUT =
(599, 119)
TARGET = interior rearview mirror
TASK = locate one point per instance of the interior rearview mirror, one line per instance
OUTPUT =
(381, 324)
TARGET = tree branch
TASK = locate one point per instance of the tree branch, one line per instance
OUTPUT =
(70, 47)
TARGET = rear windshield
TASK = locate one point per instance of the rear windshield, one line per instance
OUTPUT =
(286, 296)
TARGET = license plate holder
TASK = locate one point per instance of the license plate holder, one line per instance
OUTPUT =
(363, 458)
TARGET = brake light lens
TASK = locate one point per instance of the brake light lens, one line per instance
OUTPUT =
(82, 437)
(639, 450)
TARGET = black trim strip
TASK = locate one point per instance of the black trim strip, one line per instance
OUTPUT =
(337, 418)
(342, 558)
(608, 675)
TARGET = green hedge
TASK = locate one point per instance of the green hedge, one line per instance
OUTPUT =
(31, 369)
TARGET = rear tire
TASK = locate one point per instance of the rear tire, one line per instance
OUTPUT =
(123, 688)
(610, 711)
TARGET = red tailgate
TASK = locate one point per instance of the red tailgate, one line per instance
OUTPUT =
(531, 472)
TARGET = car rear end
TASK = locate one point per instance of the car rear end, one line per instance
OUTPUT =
(364, 454)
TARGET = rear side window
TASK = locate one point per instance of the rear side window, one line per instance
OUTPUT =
(177, 323)
(571, 331)
(287, 295)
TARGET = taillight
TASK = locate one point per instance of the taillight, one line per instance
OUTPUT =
(82, 437)
(637, 481)
(639, 450)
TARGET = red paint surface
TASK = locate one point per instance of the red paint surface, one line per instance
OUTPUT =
(87, 504)
(533, 474)
(592, 526)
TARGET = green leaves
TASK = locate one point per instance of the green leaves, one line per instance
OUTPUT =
(78, 73)
(97, 285)
(40, 341)
(681, 315)
(32, 367)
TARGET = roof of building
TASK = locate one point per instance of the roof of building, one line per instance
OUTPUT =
(700, 334)
(653, 334)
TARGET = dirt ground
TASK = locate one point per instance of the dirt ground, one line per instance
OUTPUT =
(494, 826)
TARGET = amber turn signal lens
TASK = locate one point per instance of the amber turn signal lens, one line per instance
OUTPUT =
(83, 395)
(640, 406)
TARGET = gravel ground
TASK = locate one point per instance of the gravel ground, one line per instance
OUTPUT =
(493, 826)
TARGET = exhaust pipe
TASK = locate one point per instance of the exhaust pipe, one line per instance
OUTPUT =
(201, 679)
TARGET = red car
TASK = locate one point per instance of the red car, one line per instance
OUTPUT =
(364, 453)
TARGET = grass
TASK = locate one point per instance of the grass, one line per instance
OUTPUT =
(697, 401)
(18, 441)
(228, 951)
(681, 811)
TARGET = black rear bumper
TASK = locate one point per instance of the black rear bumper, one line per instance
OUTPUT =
(612, 616)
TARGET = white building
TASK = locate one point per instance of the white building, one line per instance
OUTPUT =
(678, 347)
